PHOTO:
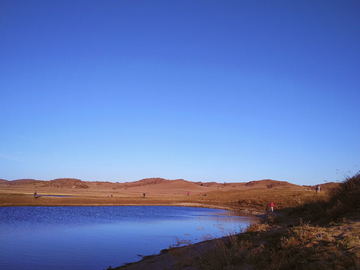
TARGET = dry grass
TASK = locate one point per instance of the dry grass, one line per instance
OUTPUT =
(286, 241)
(280, 246)
(310, 247)
(345, 198)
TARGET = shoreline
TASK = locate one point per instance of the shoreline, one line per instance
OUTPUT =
(154, 202)
(242, 212)
(177, 257)
(65, 199)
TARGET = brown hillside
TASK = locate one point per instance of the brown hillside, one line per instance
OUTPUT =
(144, 182)
(65, 183)
(325, 186)
(22, 182)
(268, 183)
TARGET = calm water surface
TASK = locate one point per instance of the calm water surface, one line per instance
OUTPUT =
(99, 237)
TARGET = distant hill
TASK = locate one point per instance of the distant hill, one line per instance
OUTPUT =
(22, 182)
(268, 183)
(66, 183)
(146, 182)
(3, 181)
(329, 185)
(60, 182)
(325, 186)
(161, 183)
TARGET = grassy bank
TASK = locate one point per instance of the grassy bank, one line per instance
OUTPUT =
(323, 233)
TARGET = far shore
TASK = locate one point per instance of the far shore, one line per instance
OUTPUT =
(17, 200)
(151, 191)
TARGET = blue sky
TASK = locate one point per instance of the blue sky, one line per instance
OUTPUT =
(225, 91)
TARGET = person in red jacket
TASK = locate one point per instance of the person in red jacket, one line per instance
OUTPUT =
(272, 206)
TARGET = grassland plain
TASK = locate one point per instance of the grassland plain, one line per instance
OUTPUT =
(307, 230)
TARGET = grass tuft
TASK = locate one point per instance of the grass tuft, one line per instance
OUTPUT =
(345, 197)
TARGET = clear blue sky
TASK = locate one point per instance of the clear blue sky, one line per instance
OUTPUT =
(226, 91)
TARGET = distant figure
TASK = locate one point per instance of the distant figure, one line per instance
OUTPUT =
(319, 188)
(200, 194)
(35, 195)
(144, 195)
(205, 194)
(108, 195)
(272, 206)
(111, 195)
(316, 189)
(188, 193)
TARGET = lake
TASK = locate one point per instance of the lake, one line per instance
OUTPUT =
(98, 237)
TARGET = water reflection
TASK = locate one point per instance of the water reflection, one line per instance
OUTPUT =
(97, 237)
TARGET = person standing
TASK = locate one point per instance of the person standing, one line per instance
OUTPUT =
(35, 195)
(272, 206)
